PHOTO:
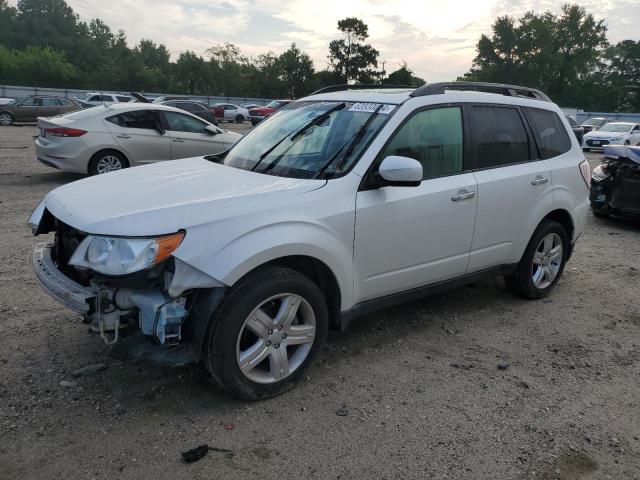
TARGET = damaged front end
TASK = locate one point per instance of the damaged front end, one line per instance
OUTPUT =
(615, 185)
(123, 284)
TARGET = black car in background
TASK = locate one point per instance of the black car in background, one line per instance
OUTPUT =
(578, 130)
(594, 124)
(196, 108)
(615, 185)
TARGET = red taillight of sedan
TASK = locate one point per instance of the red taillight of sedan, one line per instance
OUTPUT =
(64, 132)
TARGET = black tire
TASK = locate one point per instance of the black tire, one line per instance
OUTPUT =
(225, 327)
(599, 214)
(239, 118)
(627, 143)
(6, 119)
(94, 163)
(521, 281)
(586, 149)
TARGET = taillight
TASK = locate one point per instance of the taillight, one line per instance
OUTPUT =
(585, 171)
(64, 132)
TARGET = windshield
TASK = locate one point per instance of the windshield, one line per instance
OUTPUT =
(309, 139)
(594, 121)
(615, 127)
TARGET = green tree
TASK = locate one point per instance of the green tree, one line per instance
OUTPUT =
(43, 66)
(557, 53)
(621, 76)
(190, 72)
(351, 59)
(296, 71)
(403, 76)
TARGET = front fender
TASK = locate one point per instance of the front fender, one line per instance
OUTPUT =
(243, 254)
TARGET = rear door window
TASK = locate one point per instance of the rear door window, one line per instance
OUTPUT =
(145, 119)
(549, 132)
(123, 99)
(500, 136)
(50, 102)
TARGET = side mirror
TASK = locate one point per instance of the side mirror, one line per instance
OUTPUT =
(399, 171)
(212, 130)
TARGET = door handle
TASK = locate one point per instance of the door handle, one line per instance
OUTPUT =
(462, 195)
(539, 180)
(123, 136)
(178, 140)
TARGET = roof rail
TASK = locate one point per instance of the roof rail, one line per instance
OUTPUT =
(499, 88)
(358, 86)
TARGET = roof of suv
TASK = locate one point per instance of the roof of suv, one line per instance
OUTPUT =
(396, 97)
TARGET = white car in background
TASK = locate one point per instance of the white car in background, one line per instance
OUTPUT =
(6, 101)
(231, 113)
(103, 139)
(613, 133)
(93, 99)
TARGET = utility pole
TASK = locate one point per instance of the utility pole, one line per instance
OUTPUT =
(382, 73)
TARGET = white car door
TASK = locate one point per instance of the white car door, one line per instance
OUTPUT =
(407, 237)
(138, 134)
(635, 135)
(230, 112)
(514, 185)
(190, 138)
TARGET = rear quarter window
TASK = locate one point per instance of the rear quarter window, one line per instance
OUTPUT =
(549, 132)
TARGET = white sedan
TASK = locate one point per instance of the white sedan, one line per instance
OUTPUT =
(102, 139)
(231, 113)
(613, 133)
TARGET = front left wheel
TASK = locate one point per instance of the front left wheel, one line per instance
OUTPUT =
(266, 333)
(239, 118)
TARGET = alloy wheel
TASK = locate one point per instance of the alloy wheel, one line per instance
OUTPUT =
(547, 261)
(108, 163)
(5, 119)
(276, 338)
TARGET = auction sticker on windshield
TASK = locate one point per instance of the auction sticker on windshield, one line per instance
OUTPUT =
(371, 107)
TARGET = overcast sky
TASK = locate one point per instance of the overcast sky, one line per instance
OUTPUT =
(436, 38)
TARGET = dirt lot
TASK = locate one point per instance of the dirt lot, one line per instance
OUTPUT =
(419, 384)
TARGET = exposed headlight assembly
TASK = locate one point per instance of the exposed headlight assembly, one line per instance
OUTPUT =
(599, 174)
(117, 256)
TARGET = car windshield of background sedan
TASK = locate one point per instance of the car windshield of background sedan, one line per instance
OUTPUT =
(616, 127)
(309, 139)
(594, 121)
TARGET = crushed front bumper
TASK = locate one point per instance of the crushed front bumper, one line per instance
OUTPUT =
(78, 298)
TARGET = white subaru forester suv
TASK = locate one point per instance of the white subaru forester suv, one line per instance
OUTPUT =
(342, 202)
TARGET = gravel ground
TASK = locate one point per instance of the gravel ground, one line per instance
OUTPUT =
(410, 392)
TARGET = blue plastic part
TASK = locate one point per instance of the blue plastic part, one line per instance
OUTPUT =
(160, 315)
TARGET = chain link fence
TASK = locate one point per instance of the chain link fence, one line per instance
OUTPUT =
(13, 91)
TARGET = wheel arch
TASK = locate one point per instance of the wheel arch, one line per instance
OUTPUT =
(319, 273)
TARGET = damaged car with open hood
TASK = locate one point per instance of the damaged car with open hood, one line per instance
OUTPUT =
(346, 201)
(615, 185)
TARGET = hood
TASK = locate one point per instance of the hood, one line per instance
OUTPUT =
(165, 197)
(622, 151)
(599, 134)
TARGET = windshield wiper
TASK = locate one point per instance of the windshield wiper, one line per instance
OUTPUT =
(319, 120)
(352, 142)
(316, 121)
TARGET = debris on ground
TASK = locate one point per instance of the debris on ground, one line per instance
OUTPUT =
(342, 412)
(89, 370)
(229, 426)
(503, 365)
(197, 453)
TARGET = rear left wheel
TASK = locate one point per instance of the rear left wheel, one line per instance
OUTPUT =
(542, 262)
(266, 333)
